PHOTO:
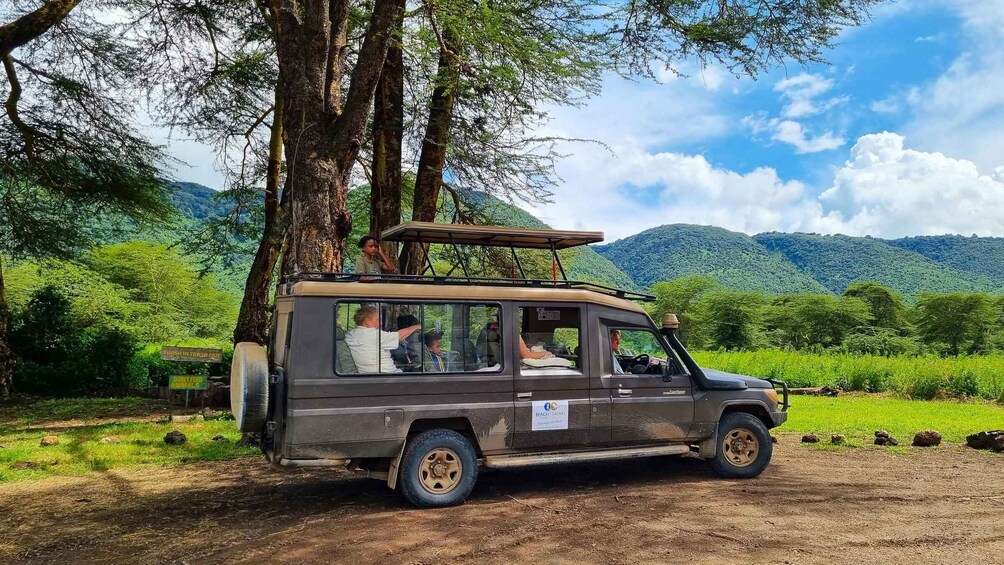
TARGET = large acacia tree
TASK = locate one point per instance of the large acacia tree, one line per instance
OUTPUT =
(68, 148)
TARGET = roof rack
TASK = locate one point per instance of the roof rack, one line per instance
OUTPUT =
(489, 236)
(466, 281)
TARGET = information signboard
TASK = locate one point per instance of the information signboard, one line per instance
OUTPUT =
(187, 382)
(193, 354)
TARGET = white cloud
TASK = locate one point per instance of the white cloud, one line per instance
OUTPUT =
(883, 190)
(962, 111)
(890, 191)
(794, 134)
(888, 105)
(802, 93)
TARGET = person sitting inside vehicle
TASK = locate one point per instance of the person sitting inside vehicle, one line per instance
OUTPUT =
(408, 352)
(370, 346)
(615, 345)
(434, 359)
(527, 353)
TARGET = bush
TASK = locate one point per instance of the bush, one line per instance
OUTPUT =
(925, 387)
(58, 355)
(963, 384)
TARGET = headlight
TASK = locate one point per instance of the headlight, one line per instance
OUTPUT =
(772, 395)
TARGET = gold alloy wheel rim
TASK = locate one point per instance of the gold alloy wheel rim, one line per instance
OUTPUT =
(741, 447)
(440, 470)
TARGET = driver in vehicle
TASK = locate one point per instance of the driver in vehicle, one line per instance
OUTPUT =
(615, 345)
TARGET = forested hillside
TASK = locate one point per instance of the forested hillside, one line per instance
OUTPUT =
(837, 260)
(733, 259)
(976, 255)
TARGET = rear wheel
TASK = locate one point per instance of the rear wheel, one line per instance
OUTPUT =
(438, 468)
(744, 446)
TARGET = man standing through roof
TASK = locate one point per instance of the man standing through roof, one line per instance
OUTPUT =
(372, 261)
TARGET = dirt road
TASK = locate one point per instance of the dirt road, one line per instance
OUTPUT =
(943, 505)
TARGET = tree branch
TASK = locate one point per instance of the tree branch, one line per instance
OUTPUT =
(33, 24)
(27, 132)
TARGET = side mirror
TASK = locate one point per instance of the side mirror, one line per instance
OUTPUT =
(667, 374)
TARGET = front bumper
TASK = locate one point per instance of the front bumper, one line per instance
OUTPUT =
(778, 418)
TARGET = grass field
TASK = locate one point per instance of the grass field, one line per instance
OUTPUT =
(104, 434)
(911, 377)
(858, 417)
(100, 435)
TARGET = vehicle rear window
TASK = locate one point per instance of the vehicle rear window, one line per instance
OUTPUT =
(426, 338)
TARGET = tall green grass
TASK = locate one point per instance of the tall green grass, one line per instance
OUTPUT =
(923, 378)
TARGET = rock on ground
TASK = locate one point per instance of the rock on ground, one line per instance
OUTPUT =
(220, 438)
(886, 440)
(992, 440)
(175, 438)
(837, 439)
(927, 438)
(810, 438)
(49, 440)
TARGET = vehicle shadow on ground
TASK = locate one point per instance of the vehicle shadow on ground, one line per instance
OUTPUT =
(263, 502)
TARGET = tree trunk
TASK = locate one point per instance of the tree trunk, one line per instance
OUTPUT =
(6, 355)
(433, 156)
(323, 130)
(253, 319)
(388, 129)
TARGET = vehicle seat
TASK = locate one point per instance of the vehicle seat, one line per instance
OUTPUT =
(465, 350)
(343, 357)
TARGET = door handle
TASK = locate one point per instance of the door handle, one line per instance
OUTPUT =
(624, 392)
(524, 395)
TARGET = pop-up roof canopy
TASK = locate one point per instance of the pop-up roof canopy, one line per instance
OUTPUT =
(493, 236)
(455, 235)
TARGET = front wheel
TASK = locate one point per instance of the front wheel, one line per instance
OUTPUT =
(744, 446)
(438, 468)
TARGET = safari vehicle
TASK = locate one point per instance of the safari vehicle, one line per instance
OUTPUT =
(418, 380)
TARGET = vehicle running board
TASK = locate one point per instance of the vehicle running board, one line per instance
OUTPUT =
(533, 459)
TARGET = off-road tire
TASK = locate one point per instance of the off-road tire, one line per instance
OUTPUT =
(737, 426)
(249, 387)
(415, 462)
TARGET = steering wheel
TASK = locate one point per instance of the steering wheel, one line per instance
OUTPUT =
(642, 359)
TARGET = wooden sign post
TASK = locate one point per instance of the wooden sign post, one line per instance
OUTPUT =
(189, 383)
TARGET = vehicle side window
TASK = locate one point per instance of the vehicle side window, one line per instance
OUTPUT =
(634, 351)
(551, 335)
(389, 337)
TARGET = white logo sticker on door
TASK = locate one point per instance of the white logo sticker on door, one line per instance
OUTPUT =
(549, 415)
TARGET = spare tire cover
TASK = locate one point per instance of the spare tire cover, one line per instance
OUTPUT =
(249, 386)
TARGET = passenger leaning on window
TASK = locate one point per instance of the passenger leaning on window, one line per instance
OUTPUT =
(370, 347)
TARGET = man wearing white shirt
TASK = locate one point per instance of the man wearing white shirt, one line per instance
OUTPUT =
(370, 346)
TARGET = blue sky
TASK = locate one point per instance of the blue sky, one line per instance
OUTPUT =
(899, 135)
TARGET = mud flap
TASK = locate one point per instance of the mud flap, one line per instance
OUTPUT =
(708, 448)
(395, 465)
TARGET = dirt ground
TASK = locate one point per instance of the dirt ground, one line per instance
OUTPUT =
(943, 505)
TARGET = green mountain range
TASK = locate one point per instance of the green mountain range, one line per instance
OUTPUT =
(776, 263)
(773, 263)
(733, 259)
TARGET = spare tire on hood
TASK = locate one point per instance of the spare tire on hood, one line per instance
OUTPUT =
(249, 386)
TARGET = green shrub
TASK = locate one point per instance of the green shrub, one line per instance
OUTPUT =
(57, 354)
(963, 384)
(925, 387)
